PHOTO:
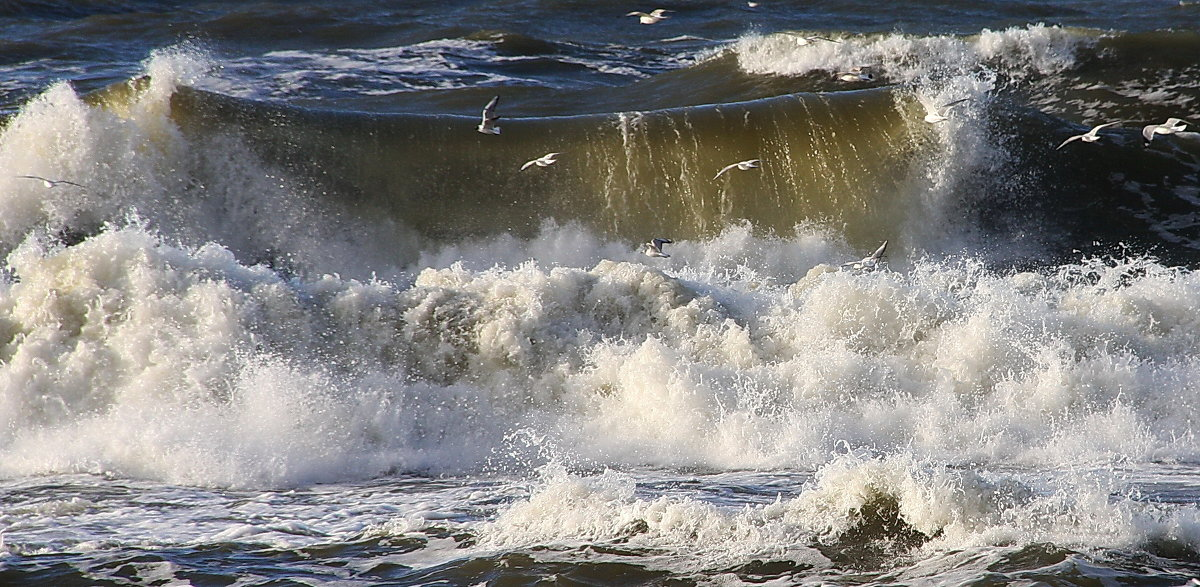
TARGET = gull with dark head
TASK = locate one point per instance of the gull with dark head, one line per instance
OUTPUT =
(654, 247)
(655, 15)
(487, 125)
(934, 115)
(544, 161)
(742, 165)
(1170, 127)
(870, 262)
(52, 183)
(1090, 136)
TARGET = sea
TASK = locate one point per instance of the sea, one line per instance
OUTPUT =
(274, 312)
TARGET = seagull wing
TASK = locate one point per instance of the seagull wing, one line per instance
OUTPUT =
(39, 178)
(724, 169)
(659, 242)
(529, 164)
(1096, 129)
(751, 163)
(949, 105)
(489, 111)
(878, 254)
(1064, 143)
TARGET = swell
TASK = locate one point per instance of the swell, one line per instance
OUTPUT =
(626, 174)
(861, 161)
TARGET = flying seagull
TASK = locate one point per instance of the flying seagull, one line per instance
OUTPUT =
(654, 247)
(1170, 127)
(50, 183)
(941, 113)
(1090, 136)
(487, 125)
(742, 165)
(544, 161)
(656, 15)
(861, 73)
(870, 262)
(803, 40)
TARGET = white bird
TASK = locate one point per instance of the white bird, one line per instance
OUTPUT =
(487, 125)
(50, 183)
(655, 15)
(1170, 127)
(654, 247)
(870, 262)
(941, 113)
(1090, 136)
(752, 5)
(544, 161)
(860, 73)
(742, 165)
(803, 40)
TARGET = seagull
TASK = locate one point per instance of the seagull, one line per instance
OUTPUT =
(861, 73)
(942, 113)
(544, 161)
(487, 125)
(809, 39)
(742, 165)
(654, 247)
(1170, 127)
(50, 183)
(656, 15)
(870, 262)
(1090, 136)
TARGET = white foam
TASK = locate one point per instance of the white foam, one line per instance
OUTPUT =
(855, 497)
(1016, 52)
(131, 155)
(126, 354)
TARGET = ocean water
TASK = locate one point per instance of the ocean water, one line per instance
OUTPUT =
(295, 322)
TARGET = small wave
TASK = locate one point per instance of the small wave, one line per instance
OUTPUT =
(1016, 52)
(860, 511)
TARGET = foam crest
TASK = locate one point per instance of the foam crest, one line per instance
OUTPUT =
(127, 353)
(955, 508)
(1015, 52)
(127, 151)
(566, 510)
(855, 506)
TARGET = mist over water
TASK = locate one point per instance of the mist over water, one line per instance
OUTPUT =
(281, 330)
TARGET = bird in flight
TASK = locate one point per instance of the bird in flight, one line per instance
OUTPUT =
(487, 125)
(861, 73)
(941, 113)
(655, 15)
(803, 40)
(1170, 127)
(544, 161)
(50, 183)
(870, 262)
(1090, 136)
(654, 247)
(742, 165)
